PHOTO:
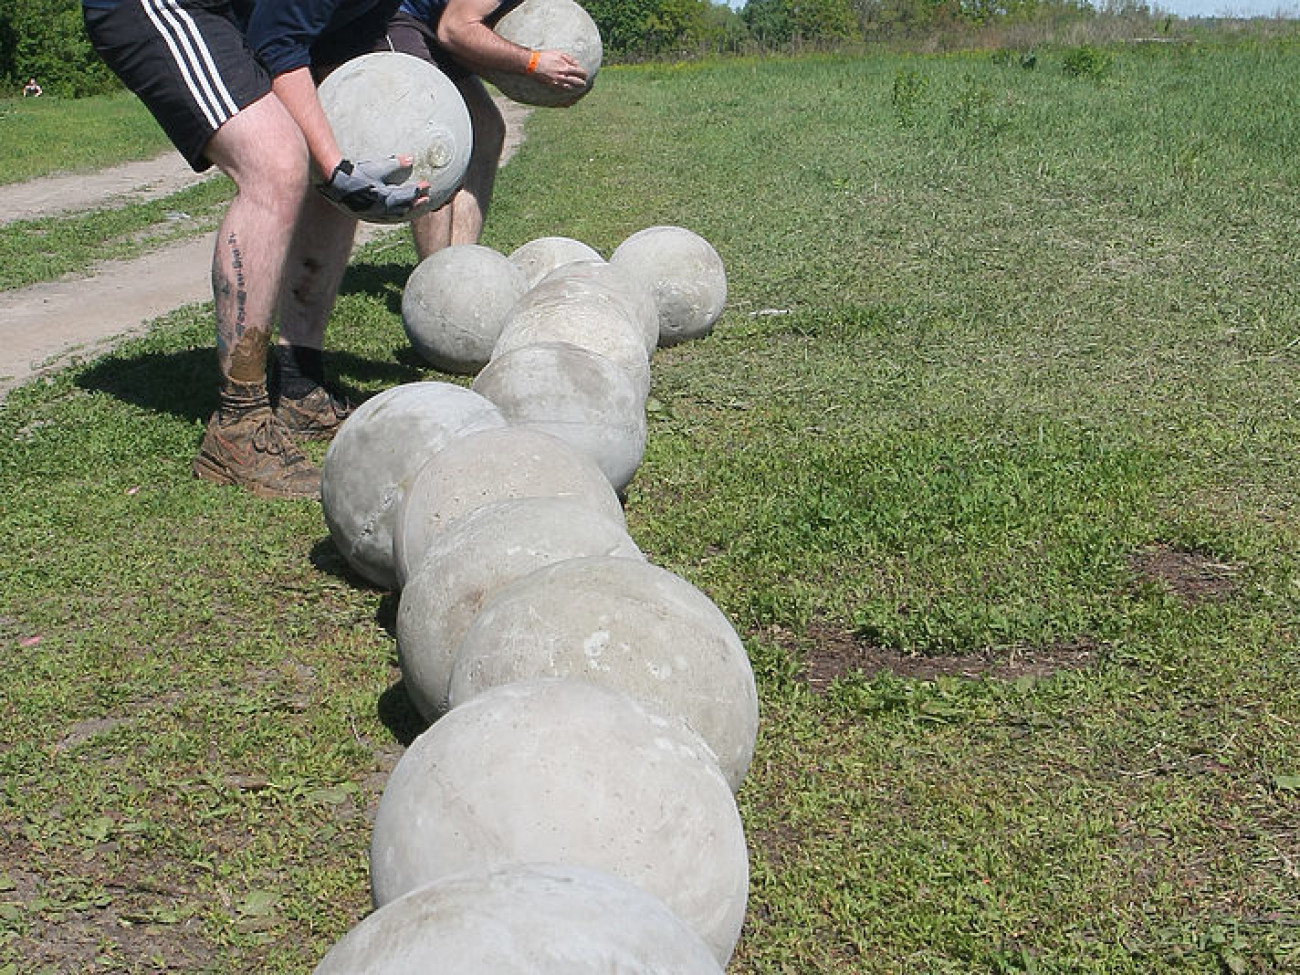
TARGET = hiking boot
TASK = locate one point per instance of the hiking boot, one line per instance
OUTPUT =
(253, 450)
(316, 416)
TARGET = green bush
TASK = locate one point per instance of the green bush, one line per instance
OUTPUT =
(1088, 62)
(775, 22)
(649, 27)
(908, 93)
(46, 40)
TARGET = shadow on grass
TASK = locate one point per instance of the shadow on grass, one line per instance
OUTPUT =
(380, 280)
(399, 715)
(326, 557)
(394, 707)
(182, 383)
(185, 383)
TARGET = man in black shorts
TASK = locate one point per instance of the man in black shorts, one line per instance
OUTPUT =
(231, 84)
(457, 36)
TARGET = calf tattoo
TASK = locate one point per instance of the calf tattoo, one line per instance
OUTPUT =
(241, 350)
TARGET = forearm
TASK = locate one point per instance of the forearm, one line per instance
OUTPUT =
(297, 91)
(468, 39)
(464, 33)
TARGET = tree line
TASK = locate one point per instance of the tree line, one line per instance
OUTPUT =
(45, 39)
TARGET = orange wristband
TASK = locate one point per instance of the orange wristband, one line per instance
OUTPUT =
(532, 62)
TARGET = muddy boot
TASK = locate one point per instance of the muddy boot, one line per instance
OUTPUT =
(246, 445)
(308, 407)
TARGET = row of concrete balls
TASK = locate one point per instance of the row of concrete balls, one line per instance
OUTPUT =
(466, 305)
(561, 339)
(599, 772)
(571, 808)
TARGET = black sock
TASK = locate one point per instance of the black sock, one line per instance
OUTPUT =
(298, 371)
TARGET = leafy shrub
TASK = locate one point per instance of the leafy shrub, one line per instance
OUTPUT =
(45, 40)
(908, 94)
(975, 111)
(649, 27)
(776, 22)
(1088, 62)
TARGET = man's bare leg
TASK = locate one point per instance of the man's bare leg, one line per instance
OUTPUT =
(461, 220)
(317, 259)
(318, 256)
(262, 151)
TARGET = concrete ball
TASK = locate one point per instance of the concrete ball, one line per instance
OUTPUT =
(582, 317)
(630, 626)
(376, 454)
(494, 465)
(423, 116)
(602, 281)
(523, 919)
(540, 257)
(455, 303)
(562, 771)
(685, 275)
(548, 25)
(475, 557)
(576, 395)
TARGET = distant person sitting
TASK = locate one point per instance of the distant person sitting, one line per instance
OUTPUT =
(32, 89)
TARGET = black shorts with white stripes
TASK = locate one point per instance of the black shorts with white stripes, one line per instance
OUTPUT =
(185, 59)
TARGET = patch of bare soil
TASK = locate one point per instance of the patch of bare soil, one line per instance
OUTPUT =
(47, 326)
(831, 652)
(133, 182)
(1192, 576)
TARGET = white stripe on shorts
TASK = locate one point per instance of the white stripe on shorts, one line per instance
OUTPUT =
(193, 59)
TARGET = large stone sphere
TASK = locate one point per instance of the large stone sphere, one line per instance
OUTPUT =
(455, 303)
(390, 104)
(685, 275)
(540, 257)
(375, 456)
(548, 25)
(494, 465)
(523, 919)
(474, 558)
(582, 317)
(627, 625)
(601, 281)
(576, 395)
(562, 771)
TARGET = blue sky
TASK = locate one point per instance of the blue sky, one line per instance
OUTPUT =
(1235, 8)
(1200, 8)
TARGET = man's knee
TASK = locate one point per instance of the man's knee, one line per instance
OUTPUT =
(263, 151)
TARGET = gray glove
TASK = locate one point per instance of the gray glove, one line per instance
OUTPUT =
(366, 189)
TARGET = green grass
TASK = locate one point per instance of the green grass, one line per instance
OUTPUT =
(1006, 383)
(44, 249)
(51, 135)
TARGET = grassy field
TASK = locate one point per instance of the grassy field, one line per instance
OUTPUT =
(991, 460)
(53, 135)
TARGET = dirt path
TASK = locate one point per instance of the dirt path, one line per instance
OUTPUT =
(47, 326)
(132, 182)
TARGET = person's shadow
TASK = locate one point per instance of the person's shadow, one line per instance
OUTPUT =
(184, 382)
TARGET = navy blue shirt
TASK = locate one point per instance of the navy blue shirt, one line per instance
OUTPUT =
(282, 32)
